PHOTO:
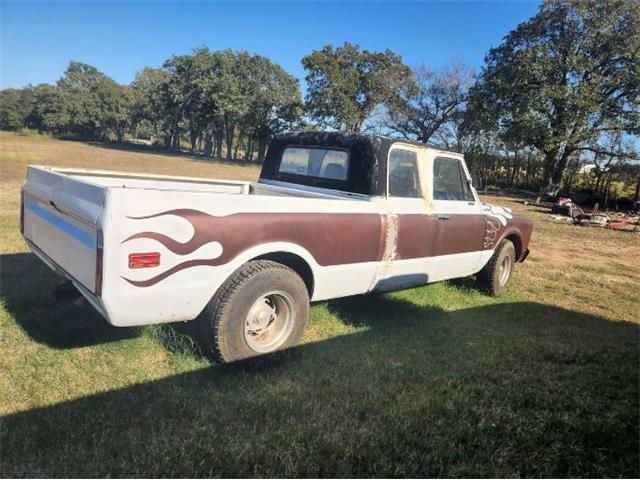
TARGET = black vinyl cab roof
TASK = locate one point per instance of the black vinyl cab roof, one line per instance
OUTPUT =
(367, 165)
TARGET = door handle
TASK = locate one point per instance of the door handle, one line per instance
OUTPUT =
(444, 217)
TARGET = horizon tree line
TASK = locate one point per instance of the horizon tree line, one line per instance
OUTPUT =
(562, 90)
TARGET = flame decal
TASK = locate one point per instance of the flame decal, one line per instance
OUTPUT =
(203, 234)
(181, 266)
(331, 238)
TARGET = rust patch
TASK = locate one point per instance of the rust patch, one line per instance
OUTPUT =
(390, 238)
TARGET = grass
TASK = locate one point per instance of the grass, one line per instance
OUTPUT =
(434, 381)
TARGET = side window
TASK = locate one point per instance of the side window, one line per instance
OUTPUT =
(449, 181)
(403, 174)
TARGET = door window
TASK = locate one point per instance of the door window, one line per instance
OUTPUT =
(403, 174)
(449, 181)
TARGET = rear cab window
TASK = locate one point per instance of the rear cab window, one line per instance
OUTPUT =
(332, 164)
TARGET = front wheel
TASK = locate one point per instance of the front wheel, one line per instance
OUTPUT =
(497, 273)
(263, 307)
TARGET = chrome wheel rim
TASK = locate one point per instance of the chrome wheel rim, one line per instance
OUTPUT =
(504, 271)
(269, 322)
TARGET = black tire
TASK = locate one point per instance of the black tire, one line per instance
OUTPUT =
(254, 291)
(492, 277)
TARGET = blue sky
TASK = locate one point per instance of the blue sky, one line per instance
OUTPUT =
(119, 38)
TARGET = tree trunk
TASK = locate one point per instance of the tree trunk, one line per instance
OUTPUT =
(527, 173)
(218, 150)
(637, 195)
(555, 164)
(229, 140)
(514, 170)
(193, 137)
(606, 194)
(248, 154)
(598, 180)
(176, 141)
(208, 144)
(262, 148)
(238, 142)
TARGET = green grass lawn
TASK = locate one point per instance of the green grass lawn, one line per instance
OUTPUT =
(434, 381)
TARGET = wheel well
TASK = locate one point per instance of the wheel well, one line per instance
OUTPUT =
(294, 262)
(517, 243)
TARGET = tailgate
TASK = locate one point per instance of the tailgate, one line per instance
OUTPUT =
(60, 217)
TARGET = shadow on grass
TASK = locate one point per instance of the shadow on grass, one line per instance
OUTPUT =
(519, 389)
(26, 288)
(61, 324)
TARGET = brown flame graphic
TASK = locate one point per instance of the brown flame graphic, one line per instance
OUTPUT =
(202, 235)
(332, 238)
(198, 220)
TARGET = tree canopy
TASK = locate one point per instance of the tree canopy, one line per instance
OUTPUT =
(561, 91)
(563, 79)
(438, 99)
(345, 84)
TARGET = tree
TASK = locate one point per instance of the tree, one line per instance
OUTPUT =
(95, 105)
(563, 79)
(187, 90)
(275, 104)
(436, 103)
(14, 108)
(153, 103)
(345, 84)
(48, 112)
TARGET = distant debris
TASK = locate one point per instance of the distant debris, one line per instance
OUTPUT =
(566, 211)
(587, 169)
(142, 141)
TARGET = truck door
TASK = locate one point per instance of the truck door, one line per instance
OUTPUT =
(460, 221)
(410, 230)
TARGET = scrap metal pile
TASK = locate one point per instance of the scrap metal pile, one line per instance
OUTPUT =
(564, 210)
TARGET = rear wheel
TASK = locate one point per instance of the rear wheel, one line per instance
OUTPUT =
(497, 273)
(263, 307)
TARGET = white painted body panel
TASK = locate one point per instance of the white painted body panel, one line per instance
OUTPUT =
(94, 203)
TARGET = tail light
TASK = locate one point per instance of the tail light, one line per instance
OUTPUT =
(144, 260)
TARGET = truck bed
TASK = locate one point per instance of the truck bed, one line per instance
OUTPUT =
(104, 178)
(62, 207)
(76, 220)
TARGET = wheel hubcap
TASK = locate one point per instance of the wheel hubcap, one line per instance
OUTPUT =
(505, 271)
(269, 322)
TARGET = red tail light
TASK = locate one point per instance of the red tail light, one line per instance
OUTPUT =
(143, 260)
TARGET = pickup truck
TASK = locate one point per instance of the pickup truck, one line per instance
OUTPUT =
(331, 215)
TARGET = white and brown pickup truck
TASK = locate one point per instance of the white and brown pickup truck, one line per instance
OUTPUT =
(332, 215)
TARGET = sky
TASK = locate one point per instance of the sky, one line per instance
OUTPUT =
(38, 39)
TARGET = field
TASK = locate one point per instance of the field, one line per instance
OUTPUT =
(434, 381)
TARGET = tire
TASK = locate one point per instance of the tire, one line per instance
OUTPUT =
(262, 308)
(493, 278)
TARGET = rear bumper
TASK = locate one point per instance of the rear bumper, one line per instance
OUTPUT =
(95, 301)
